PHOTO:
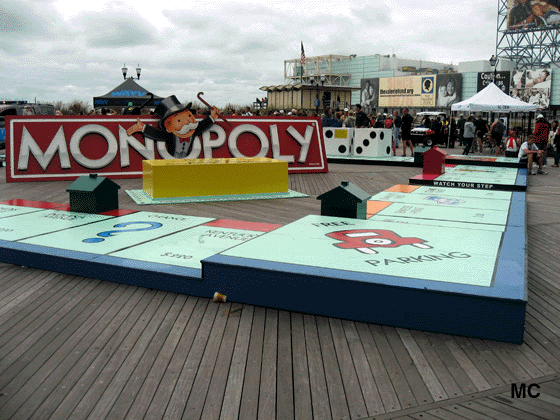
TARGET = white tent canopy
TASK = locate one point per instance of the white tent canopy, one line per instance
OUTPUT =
(493, 99)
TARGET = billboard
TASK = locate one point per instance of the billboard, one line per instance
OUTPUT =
(440, 91)
(502, 80)
(449, 89)
(409, 91)
(532, 14)
(48, 148)
(369, 94)
(532, 86)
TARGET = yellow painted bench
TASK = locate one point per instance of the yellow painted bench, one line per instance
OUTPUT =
(164, 178)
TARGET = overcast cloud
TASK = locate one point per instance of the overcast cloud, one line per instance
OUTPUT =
(66, 50)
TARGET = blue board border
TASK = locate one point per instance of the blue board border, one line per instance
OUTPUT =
(495, 313)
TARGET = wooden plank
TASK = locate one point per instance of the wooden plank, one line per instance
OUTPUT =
(267, 392)
(250, 397)
(467, 365)
(348, 370)
(430, 379)
(394, 389)
(465, 413)
(117, 368)
(417, 385)
(19, 325)
(198, 382)
(22, 374)
(358, 357)
(27, 291)
(132, 326)
(217, 387)
(529, 405)
(301, 381)
(88, 356)
(333, 376)
(487, 411)
(484, 367)
(140, 366)
(444, 413)
(508, 411)
(140, 402)
(423, 416)
(188, 336)
(527, 358)
(458, 374)
(232, 396)
(34, 335)
(483, 348)
(319, 391)
(285, 372)
(12, 279)
(437, 363)
(540, 346)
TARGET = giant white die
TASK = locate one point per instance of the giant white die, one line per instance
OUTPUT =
(372, 142)
(337, 140)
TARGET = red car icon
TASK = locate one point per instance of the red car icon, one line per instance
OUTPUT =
(365, 239)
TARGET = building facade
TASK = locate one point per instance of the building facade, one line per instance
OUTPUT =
(394, 83)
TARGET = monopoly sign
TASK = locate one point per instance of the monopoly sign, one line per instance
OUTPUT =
(63, 148)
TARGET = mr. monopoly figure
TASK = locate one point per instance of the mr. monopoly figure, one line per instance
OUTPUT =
(177, 126)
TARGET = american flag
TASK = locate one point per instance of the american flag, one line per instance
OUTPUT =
(302, 54)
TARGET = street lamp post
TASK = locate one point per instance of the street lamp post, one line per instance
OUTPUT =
(494, 63)
(125, 70)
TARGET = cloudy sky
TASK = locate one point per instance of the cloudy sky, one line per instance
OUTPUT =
(74, 50)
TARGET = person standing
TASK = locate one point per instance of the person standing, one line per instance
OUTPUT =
(556, 142)
(461, 128)
(542, 129)
(497, 132)
(362, 120)
(406, 128)
(397, 122)
(452, 133)
(481, 126)
(327, 120)
(468, 135)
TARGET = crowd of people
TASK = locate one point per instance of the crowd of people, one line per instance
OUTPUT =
(471, 133)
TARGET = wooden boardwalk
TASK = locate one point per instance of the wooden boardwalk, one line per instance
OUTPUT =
(81, 348)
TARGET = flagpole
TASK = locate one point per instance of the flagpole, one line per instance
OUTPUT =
(302, 61)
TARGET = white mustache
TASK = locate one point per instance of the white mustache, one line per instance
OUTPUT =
(187, 127)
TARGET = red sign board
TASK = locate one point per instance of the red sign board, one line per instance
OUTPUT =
(43, 148)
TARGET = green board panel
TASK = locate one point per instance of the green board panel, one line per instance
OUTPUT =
(111, 235)
(463, 192)
(8, 211)
(444, 254)
(452, 213)
(436, 222)
(479, 174)
(187, 248)
(41, 222)
(443, 201)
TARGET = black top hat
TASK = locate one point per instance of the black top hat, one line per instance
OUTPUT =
(168, 107)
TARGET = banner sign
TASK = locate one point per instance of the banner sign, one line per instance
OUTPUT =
(49, 148)
(413, 91)
(536, 15)
(369, 94)
(449, 89)
(502, 80)
(532, 86)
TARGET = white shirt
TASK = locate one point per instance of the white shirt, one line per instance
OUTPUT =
(525, 146)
